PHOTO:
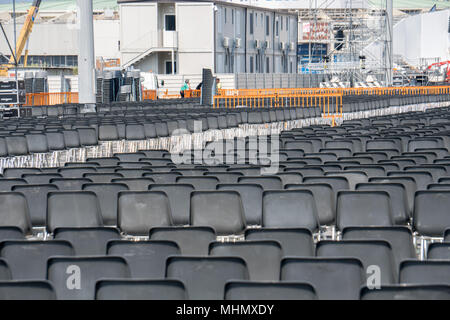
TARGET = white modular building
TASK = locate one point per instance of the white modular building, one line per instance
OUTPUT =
(182, 37)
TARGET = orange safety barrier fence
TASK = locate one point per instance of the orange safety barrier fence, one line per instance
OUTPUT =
(329, 103)
(343, 91)
(149, 95)
(187, 94)
(50, 98)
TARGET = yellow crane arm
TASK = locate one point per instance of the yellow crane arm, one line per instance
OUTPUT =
(26, 30)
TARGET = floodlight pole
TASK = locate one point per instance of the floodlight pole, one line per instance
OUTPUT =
(86, 66)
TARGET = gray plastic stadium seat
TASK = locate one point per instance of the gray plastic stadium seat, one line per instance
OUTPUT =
(26, 290)
(422, 178)
(7, 184)
(267, 182)
(179, 197)
(324, 197)
(353, 177)
(425, 272)
(408, 182)
(40, 178)
(400, 238)
(109, 161)
(363, 209)
(36, 196)
(14, 211)
(146, 259)
(262, 257)
(131, 173)
(369, 252)
(138, 212)
(64, 270)
(5, 273)
(107, 195)
(295, 242)
(27, 260)
(290, 209)
(135, 184)
(135, 132)
(199, 182)
(3, 147)
(102, 177)
(257, 291)
(88, 137)
(251, 195)
(11, 233)
(140, 290)
(18, 172)
(222, 210)
(163, 177)
(397, 194)
(407, 292)
(55, 141)
(440, 251)
(205, 277)
(17, 146)
(332, 278)
(191, 240)
(73, 209)
(36, 143)
(430, 217)
(75, 172)
(71, 139)
(129, 157)
(87, 241)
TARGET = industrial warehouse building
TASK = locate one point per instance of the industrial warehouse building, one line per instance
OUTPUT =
(228, 38)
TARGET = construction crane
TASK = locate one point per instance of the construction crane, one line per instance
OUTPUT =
(440, 64)
(22, 41)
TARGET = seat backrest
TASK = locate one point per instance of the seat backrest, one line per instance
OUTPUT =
(14, 211)
(267, 182)
(27, 260)
(70, 184)
(73, 209)
(251, 195)
(26, 290)
(71, 138)
(36, 196)
(407, 292)
(138, 212)
(37, 143)
(88, 137)
(290, 208)
(87, 270)
(87, 241)
(222, 210)
(205, 277)
(146, 259)
(55, 141)
(333, 278)
(399, 237)
(262, 257)
(252, 290)
(397, 194)
(16, 145)
(324, 197)
(190, 240)
(179, 196)
(369, 252)
(430, 216)
(363, 208)
(425, 272)
(140, 290)
(295, 242)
